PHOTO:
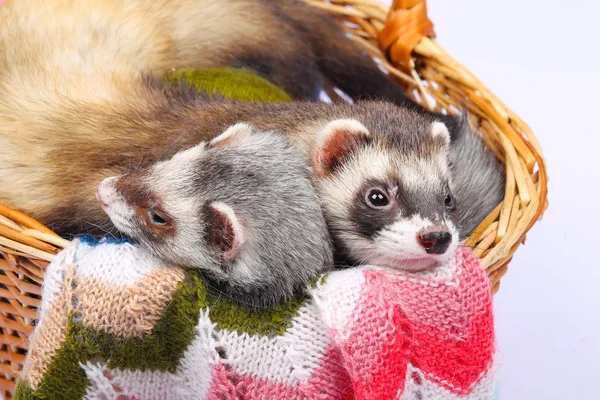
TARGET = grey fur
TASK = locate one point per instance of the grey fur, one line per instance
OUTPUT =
(478, 177)
(268, 188)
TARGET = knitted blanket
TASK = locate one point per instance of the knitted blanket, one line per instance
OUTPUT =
(115, 324)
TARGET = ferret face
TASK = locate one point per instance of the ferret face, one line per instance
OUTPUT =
(158, 208)
(388, 202)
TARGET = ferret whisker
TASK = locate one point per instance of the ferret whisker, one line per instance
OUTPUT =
(343, 230)
(389, 232)
(477, 247)
(100, 228)
(175, 145)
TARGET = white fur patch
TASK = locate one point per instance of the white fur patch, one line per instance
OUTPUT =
(187, 156)
(397, 246)
(238, 133)
(175, 172)
(420, 173)
(439, 129)
(338, 192)
(442, 164)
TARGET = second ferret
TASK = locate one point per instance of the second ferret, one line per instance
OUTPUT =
(256, 236)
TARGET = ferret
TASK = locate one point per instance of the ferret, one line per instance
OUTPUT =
(220, 208)
(81, 98)
(296, 46)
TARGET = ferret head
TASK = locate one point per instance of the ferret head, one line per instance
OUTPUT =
(387, 191)
(228, 207)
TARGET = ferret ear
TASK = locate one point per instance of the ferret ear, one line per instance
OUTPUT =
(224, 231)
(440, 133)
(237, 133)
(336, 141)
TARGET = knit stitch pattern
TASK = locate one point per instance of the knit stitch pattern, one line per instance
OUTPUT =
(117, 324)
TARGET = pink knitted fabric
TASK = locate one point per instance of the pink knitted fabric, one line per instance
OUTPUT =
(431, 329)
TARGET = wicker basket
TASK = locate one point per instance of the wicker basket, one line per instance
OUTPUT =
(405, 35)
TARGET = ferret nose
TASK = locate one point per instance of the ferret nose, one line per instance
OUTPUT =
(435, 242)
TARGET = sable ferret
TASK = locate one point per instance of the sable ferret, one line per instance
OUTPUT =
(220, 208)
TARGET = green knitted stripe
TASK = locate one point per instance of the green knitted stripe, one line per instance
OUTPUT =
(233, 84)
(23, 391)
(161, 350)
(230, 315)
(163, 347)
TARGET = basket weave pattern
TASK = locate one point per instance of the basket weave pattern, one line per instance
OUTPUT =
(402, 39)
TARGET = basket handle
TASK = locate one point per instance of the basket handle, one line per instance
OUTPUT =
(407, 23)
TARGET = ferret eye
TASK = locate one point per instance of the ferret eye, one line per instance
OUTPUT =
(377, 199)
(449, 201)
(156, 219)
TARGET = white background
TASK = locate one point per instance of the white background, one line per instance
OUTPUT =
(541, 58)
